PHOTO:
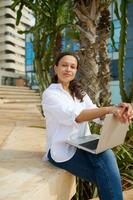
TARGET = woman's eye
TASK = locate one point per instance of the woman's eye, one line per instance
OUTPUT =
(73, 67)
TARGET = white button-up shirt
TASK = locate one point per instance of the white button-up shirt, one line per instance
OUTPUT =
(60, 111)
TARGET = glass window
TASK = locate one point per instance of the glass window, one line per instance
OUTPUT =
(31, 79)
(114, 69)
(29, 56)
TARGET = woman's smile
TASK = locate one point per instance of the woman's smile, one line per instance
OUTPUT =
(67, 74)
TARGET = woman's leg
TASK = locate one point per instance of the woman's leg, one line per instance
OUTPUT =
(78, 165)
(100, 169)
(107, 175)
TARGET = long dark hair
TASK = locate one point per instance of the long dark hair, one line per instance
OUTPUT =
(75, 86)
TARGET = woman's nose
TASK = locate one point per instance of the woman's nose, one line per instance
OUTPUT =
(68, 68)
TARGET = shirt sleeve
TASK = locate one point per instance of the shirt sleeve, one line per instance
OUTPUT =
(55, 106)
(88, 102)
(91, 105)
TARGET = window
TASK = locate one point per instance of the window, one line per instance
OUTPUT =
(9, 16)
(11, 25)
(9, 42)
(9, 61)
(9, 52)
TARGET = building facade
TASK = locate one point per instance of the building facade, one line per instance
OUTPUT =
(128, 70)
(12, 44)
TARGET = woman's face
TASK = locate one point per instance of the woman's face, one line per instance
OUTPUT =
(66, 69)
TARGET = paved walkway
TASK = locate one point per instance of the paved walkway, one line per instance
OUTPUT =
(23, 175)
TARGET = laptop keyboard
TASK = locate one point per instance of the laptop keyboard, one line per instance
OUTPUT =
(91, 144)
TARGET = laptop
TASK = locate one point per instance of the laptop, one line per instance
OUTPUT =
(112, 134)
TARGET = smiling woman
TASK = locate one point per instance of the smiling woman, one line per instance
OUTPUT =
(67, 109)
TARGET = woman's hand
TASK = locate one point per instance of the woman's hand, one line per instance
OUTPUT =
(124, 112)
(128, 111)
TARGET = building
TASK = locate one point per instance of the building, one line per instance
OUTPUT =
(128, 71)
(12, 44)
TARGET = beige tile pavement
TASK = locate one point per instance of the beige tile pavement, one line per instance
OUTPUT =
(23, 175)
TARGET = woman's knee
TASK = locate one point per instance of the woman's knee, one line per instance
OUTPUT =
(108, 156)
(108, 160)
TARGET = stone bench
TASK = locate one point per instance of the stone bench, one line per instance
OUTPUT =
(23, 175)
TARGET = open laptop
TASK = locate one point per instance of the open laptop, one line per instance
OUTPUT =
(113, 133)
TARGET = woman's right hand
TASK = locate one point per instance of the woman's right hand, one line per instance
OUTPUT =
(121, 112)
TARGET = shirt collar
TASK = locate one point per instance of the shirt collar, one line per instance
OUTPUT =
(56, 86)
(60, 87)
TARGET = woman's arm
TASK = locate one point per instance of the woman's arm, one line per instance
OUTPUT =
(90, 114)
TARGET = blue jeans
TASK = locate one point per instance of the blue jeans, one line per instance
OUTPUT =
(100, 169)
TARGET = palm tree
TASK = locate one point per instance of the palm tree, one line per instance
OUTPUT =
(87, 13)
(94, 33)
(51, 17)
(103, 32)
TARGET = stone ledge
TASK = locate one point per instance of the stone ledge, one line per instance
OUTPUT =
(30, 179)
(23, 175)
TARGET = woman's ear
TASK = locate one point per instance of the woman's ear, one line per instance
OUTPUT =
(55, 69)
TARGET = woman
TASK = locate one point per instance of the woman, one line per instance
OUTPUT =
(68, 109)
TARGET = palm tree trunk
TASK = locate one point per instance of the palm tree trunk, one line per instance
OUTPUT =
(87, 13)
(104, 60)
(58, 44)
